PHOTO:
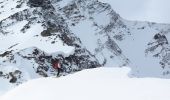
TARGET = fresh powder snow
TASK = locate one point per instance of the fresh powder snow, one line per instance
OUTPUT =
(95, 84)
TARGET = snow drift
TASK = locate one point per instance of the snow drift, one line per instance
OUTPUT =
(94, 84)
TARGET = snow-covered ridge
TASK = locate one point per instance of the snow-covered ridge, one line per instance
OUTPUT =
(94, 84)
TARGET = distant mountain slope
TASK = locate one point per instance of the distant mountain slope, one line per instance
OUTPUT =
(82, 34)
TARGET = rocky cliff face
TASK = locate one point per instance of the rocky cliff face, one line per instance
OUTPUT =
(53, 29)
(81, 34)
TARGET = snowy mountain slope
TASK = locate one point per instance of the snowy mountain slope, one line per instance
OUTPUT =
(94, 84)
(5, 86)
(36, 40)
(141, 47)
(81, 34)
(10, 7)
(115, 41)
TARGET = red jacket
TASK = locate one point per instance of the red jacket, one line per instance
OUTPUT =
(56, 65)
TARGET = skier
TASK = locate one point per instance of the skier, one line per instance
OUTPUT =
(56, 65)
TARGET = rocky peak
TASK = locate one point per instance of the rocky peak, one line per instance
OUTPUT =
(37, 3)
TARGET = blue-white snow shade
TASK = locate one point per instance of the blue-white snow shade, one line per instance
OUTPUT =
(143, 10)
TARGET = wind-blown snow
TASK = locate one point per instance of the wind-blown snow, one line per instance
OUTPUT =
(95, 84)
